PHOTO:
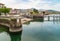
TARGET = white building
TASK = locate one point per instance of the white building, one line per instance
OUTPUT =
(2, 5)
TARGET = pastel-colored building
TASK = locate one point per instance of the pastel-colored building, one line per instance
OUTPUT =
(14, 11)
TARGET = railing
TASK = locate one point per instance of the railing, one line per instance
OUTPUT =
(10, 16)
(55, 17)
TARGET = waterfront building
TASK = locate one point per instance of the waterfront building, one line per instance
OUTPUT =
(2, 5)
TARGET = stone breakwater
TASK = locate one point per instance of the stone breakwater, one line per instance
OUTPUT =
(24, 20)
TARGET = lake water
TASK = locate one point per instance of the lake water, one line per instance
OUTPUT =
(34, 31)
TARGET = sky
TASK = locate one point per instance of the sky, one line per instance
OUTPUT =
(27, 4)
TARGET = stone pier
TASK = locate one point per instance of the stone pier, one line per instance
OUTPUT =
(14, 23)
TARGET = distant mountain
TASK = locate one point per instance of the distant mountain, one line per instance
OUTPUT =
(52, 11)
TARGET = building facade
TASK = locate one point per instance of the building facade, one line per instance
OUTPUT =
(2, 5)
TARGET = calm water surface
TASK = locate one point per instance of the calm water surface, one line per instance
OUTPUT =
(35, 31)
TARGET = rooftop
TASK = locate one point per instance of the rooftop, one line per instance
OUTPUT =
(1, 4)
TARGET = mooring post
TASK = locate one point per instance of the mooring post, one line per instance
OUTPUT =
(59, 18)
(53, 18)
(18, 22)
(48, 18)
(43, 14)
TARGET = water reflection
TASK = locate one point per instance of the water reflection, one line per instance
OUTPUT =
(38, 31)
(4, 29)
(15, 36)
(5, 35)
(38, 20)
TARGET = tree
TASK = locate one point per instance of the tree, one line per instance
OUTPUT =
(31, 12)
(5, 10)
(35, 11)
(1, 10)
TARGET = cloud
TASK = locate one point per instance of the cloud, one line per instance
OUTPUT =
(39, 4)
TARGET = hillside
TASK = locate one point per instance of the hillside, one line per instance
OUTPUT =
(52, 12)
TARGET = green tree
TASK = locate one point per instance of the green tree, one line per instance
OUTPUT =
(1, 10)
(5, 10)
(35, 11)
(31, 12)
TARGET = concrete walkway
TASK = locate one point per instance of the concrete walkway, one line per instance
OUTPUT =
(24, 20)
